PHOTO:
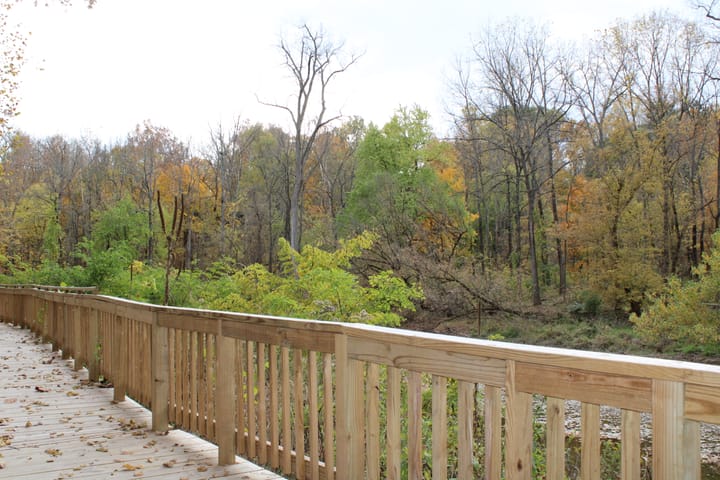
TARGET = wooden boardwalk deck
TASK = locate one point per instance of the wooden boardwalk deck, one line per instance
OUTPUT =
(54, 425)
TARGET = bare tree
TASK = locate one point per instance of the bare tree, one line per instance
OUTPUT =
(515, 87)
(313, 62)
(229, 149)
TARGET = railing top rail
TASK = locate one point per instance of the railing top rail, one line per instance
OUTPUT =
(391, 341)
(51, 288)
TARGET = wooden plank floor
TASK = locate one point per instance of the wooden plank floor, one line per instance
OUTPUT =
(53, 425)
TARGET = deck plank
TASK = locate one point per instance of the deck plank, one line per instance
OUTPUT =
(54, 424)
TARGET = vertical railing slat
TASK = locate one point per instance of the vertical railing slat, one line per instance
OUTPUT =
(555, 438)
(393, 447)
(439, 428)
(225, 399)
(286, 419)
(414, 429)
(372, 395)
(299, 407)
(251, 413)
(313, 432)
(329, 417)
(262, 405)
(630, 447)
(274, 409)
(590, 447)
(466, 410)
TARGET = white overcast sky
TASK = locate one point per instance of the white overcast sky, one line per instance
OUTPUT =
(189, 64)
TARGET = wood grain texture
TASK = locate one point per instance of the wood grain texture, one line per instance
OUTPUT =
(555, 438)
(590, 441)
(85, 435)
(630, 393)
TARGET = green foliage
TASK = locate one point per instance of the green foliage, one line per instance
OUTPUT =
(398, 191)
(315, 284)
(686, 312)
(123, 223)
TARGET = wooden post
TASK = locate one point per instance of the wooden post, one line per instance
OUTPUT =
(518, 453)
(225, 399)
(341, 407)
(49, 328)
(93, 344)
(65, 328)
(676, 442)
(78, 334)
(119, 362)
(159, 355)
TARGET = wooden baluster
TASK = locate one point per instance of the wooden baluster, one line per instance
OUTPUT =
(312, 401)
(262, 407)
(274, 409)
(493, 432)
(466, 410)
(630, 456)
(393, 409)
(555, 438)
(372, 394)
(328, 406)
(250, 364)
(193, 381)
(590, 427)
(439, 428)
(286, 423)
(298, 398)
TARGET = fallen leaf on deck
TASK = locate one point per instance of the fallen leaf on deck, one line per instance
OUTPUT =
(72, 394)
(129, 467)
(169, 464)
(28, 424)
(42, 389)
(202, 468)
(53, 452)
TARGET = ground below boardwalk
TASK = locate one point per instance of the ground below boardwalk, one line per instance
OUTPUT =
(55, 425)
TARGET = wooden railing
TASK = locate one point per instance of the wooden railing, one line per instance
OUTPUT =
(348, 401)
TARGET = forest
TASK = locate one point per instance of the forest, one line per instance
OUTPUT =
(587, 177)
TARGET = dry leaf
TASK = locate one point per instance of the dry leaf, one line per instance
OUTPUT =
(28, 424)
(53, 452)
(130, 467)
(41, 389)
(202, 468)
(170, 463)
(72, 393)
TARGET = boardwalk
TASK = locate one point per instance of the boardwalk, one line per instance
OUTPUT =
(53, 425)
